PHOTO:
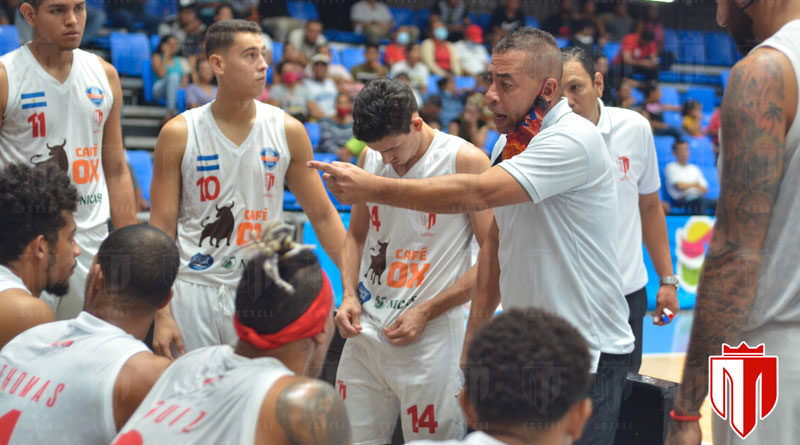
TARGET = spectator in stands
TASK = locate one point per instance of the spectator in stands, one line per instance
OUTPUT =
(275, 19)
(336, 71)
(601, 65)
(187, 29)
(452, 100)
(170, 73)
(335, 131)
(201, 91)
(559, 24)
(686, 184)
(666, 56)
(638, 54)
(506, 399)
(588, 12)
(371, 69)
(373, 19)
(417, 71)
(304, 43)
(406, 79)
(653, 110)
(321, 89)
(506, 17)
(125, 14)
(396, 50)
(624, 97)
(245, 9)
(453, 14)
(584, 37)
(224, 11)
(618, 23)
(290, 94)
(471, 54)
(469, 125)
(8, 10)
(430, 109)
(692, 112)
(438, 54)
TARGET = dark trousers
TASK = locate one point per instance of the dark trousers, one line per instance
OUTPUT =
(637, 304)
(606, 394)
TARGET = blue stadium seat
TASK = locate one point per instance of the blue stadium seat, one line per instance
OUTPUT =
(423, 15)
(723, 77)
(664, 150)
(705, 95)
(303, 10)
(465, 82)
(290, 202)
(9, 39)
(491, 138)
(155, 39)
(692, 48)
(638, 96)
(128, 51)
(671, 40)
(352, 56)
(481, 19)
(277, 52)
(611, 49)
(334, 276)
(712, 177)
(403, 16)
(147, 85)
(313, 130)
(673, 119)
(670, 96)
(720, 50)
(562, 42)
(700, 151)
(532, 21)
(433, 87)
(328, 157)
(142, 163)
(161, 8)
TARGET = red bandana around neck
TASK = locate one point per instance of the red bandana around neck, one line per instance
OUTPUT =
(517, 140)
(311, 323)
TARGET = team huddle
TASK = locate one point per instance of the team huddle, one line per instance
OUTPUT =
(242, 315)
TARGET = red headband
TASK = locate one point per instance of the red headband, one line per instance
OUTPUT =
(311, 323)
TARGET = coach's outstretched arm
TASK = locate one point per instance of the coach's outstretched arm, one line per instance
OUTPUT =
(757, 110)
(441, 194)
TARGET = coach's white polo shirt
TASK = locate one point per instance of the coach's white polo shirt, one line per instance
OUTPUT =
(629, 140)
(558, 252)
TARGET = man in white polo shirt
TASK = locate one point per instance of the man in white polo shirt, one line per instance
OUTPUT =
(554, 199)
(629, 139)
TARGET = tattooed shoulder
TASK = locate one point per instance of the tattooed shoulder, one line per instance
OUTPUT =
(311, 412)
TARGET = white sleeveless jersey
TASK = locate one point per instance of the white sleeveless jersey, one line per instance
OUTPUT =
(778, 295)
(410, 256)
(208, 396)
(8, 280)
(57, 381)
(46, 121)
(228, 193)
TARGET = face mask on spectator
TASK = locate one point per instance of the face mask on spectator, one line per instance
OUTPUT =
(403, 38)
(290, 78)
(343, 111)
(440, 33)
(586, 40)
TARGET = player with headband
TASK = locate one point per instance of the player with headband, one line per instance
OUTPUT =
(255, 392)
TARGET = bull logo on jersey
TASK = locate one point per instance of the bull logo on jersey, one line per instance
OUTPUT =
(220, 229)
(270, 157)
(56, 156)
(95, 96)
(377, 263)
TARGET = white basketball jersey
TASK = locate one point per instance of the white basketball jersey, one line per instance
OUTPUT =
(57, 381)
(8, 280)
(410, 256)
(778, 296)
(228, 193)
(47, 121)
(208, 396)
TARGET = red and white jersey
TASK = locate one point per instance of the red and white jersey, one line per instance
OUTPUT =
(228, 192)
(62, 123)
(410, 256)
(57, 382)
(208, 396)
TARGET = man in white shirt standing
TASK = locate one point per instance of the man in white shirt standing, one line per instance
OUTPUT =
(686, 184)
(630, 142)
(320, 89)
(373, 19)
(471, 53)
(553, 199)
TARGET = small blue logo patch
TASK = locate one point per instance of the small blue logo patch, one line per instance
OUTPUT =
(363, 294)
(201, 262)
(270, 157)
(95, 95)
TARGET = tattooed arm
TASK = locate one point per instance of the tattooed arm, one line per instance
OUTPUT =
(304, 411)
(757, 111)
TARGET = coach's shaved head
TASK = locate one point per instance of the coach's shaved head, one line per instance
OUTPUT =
(543, 56)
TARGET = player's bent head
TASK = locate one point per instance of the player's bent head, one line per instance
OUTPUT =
(527, 370)
(383, 108)
(139, 264)
(543, 57)
(36, 202)
(263, 301)
(221, 36)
